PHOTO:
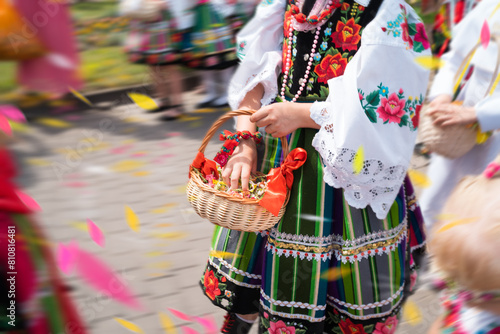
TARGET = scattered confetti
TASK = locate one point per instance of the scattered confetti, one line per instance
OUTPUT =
(188, 330)
(143, 101)
(138, 154)
(99, 276)
(75, 184)
(132, 219)
(133, 120)
(430, 62)
(80, 96)
(457, 223)
(164, 208)
(208, 324)
(188, 118)
(154, 254)
(12, 113)
(82, 226)
(127, 166)
(120, 149)
(5, 126)
(223, 255)
(482, 137)
(411, 313)
(171, 235)
(38, 162)
(359, 159)
(65, 256)
(19, 127)
(53, 122)
(163, 225)
(160, 265)
(174, 134)
(167, 324)
(419, 179)
(334, 274)
(142, 173)
(130, 326)
(445, 216)
(181, 189)
(485, 34)
(28, 201)
(180, 315)
(95, 233)
(165, 144)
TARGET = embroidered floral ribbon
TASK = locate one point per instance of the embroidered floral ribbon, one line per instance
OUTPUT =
(205, 165)
(280, 179)
(9, 200)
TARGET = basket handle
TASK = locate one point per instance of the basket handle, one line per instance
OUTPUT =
(227, 116)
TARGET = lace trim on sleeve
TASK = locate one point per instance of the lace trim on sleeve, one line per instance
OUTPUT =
(319, 112)
(267, 78)
(377, 185)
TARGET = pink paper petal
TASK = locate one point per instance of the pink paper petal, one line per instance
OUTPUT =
(75, 184)
(65, 256)
(73, 117)
(165, 144)
(167, 156)
(188, 330)
(208, 324)
(12, 113)
(485, 34)
(102, 278)
(120, 149)
(5, 125)
(174, 134)
(138, 154)
(95, 233)
(28, 201)
(180, 315)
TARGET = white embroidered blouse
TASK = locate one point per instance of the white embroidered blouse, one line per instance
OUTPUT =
(373, 107)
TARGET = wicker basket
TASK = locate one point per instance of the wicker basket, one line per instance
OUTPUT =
(451, 141)
(221, 208)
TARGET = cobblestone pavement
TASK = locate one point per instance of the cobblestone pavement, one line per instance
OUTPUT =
(96, 163)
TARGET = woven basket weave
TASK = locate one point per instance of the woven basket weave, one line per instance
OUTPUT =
(221, 208)
(451, 141)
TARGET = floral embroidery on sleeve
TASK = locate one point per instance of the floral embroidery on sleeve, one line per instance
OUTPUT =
(391, 108)
(412, 33)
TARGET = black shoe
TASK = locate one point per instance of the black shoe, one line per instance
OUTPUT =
(234, 325)
(173, 113)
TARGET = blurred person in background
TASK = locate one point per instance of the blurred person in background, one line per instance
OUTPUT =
(58, 70)
(214, 50)
(155, 40)
(481, 98)
(33, 298)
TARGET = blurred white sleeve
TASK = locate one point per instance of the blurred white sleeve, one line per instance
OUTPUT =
(259, 48)
(374, 108)
(488, 112)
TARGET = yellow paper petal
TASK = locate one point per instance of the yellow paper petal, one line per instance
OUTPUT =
(160, 265)
(163, 225)
(482, 137)
(38, 162)
(132, 219)
(141, 173)
(53, 122)
(18, 127)
(411, 313)
(224, 255)
(167, 324)
(154, 254)
(171, 235)
(334, 274)
(80, 96)
(189, 118)
(456, 223)
(82, 226)
(181, 189)
(143, 101)
(419, 179)
(429, 62)
(133, 120)
(130, 326)
(127, 166)
(359, 159)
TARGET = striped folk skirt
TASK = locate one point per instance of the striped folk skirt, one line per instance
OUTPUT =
(326, 266)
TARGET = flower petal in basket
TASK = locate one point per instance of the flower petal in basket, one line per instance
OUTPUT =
(205, 165)
(280, 180)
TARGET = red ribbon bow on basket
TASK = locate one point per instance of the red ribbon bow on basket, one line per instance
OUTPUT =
(280, 179)
(205, 165)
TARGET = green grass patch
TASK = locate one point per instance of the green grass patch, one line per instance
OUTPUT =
(94, 10)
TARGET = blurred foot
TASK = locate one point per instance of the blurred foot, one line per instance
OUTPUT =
(173, 113)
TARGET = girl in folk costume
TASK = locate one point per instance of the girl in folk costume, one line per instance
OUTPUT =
(480, 96)
(345, 83)
(214, 49)
(155, 40)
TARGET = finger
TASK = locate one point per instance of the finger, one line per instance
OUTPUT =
(235, 176)
(260, 114)
(263, 122)
(245, 176)
(441, 119)
(226, 173)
